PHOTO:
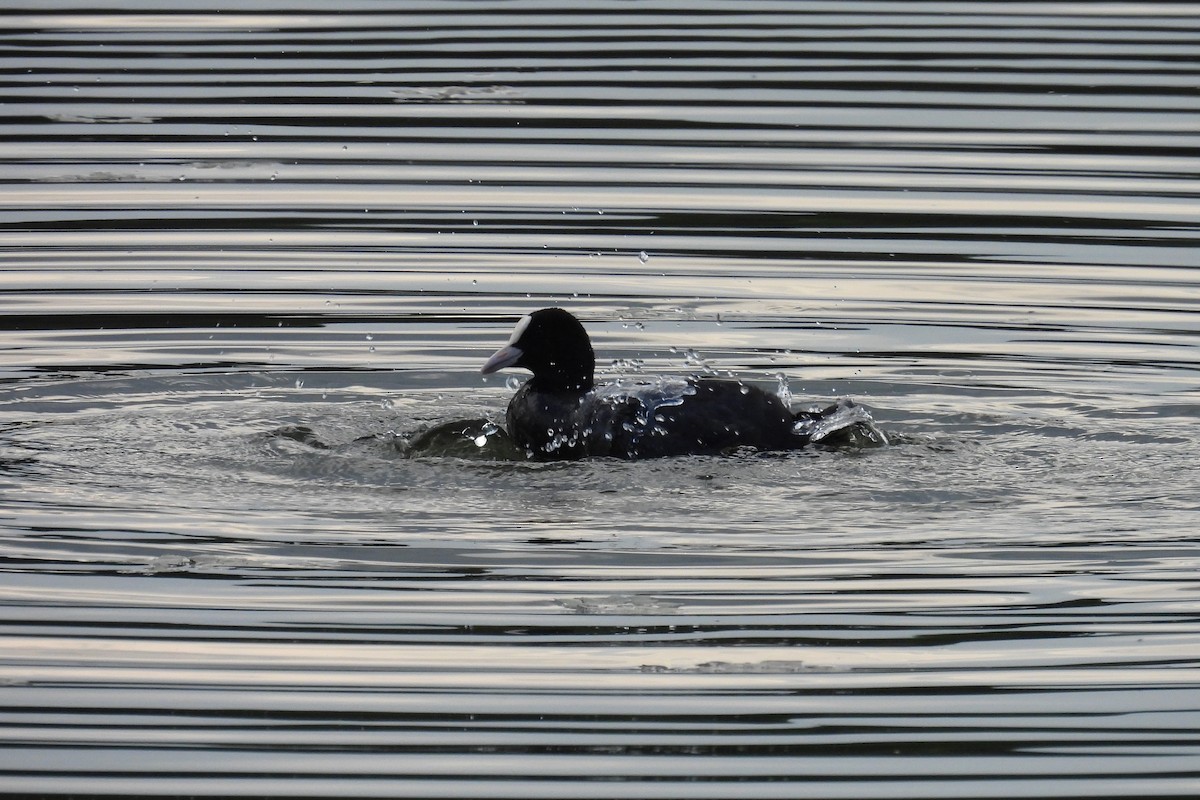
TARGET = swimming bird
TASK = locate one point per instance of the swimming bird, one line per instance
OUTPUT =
(560, 413)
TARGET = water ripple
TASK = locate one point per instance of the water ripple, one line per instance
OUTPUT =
(249, 257)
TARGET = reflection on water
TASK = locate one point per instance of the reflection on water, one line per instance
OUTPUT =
(251, 259)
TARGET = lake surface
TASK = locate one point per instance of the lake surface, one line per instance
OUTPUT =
(247, 256)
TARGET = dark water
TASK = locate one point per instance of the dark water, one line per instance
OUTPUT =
(980, 221)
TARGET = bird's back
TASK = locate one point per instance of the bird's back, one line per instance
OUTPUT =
(651, 419)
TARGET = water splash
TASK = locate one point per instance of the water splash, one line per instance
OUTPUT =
(489, 429)
(782, 389)
(649, 396)
(846, 417)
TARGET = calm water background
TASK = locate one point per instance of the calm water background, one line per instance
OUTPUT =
(980, 220)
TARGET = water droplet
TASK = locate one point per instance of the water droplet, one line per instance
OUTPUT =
(480, 440)
(370, 337)
(299, 383)
(387, 402)
(513, 383)
(643, 256)
(783, 390)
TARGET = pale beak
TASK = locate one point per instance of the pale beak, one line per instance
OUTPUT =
(506, 356)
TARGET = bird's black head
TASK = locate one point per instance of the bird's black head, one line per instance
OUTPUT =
(552, 345)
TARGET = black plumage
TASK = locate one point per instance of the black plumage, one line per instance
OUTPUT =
(560, 413)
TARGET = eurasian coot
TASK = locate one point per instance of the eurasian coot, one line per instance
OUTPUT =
(560, 413)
